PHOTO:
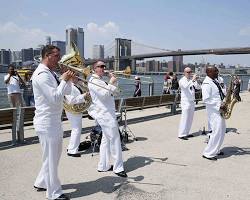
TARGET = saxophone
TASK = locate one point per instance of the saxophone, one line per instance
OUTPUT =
(228, 101)
(73, 61)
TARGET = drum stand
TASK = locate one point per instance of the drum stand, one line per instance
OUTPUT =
(126, 131)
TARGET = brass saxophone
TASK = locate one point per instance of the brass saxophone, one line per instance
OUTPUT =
(228, 101)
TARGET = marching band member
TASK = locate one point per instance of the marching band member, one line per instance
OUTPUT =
(212, 95)
(187, 86)
(49, 94)
(75, 119)
(223, 87)
(103, 111)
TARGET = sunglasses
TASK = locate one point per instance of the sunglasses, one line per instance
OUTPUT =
(102, 66)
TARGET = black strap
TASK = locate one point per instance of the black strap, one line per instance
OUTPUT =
(222, 95)
(55, 76)
(79, 89)
(15, 78)
(192, 87)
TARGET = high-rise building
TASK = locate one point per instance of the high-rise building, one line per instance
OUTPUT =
(76, 36)
(5, 57)
(98, 52)
(171, 66)
(37, 52)
(27, 54)
(48, 40)
(61, 45)
(152, 65)
(178, 63)
(16, 56)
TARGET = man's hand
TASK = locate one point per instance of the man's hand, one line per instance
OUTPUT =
(223, 106)
(113, 79)
(87, 95)
(68, 75)
(194, 77)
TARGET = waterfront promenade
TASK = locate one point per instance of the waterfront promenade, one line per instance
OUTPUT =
(159, 165)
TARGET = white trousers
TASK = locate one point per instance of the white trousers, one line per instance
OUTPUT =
(209, 128)
(76, 129)
(51, 142)
(218, 127)
(187, 114)
(110, 146)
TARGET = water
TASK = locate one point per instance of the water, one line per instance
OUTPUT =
(126, 86)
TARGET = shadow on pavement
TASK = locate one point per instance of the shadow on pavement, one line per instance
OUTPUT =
(234, 151)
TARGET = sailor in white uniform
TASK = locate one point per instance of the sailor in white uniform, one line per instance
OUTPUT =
(103, 111)
(223, 87)
(187, 84)
(77, 96)
(49, 94)
(212, 96)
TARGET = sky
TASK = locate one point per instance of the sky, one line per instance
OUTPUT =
(165, 24)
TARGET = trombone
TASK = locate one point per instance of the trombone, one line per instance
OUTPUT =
(126, 74)
(84, 71)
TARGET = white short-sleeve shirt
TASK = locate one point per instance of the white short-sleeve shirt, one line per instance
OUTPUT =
(13, 85)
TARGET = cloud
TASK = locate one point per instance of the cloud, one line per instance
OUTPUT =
(245, 31)
(100, 34)
(15, 37)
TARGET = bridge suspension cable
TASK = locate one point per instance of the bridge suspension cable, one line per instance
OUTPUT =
(151, 47)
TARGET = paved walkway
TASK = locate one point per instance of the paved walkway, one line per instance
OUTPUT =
(159, 165)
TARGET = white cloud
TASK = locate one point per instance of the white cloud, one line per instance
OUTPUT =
(15, 37)
(245, 31)
(100, 34)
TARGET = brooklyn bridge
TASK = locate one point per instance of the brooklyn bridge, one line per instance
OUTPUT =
(118, 54)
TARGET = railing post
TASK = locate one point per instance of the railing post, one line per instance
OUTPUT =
(20, 130)
(151, 88)
(173, 107)
(14, 126)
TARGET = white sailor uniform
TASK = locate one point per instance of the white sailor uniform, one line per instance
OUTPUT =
(103, 111)
(212, 97)
(187, 105)
(75, 119)
(47, 123)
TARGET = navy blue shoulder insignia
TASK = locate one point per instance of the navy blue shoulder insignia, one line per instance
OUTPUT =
(42, 72)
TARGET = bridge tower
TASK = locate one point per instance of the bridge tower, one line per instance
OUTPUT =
(122, 48)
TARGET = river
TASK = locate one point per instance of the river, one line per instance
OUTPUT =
(126, 86)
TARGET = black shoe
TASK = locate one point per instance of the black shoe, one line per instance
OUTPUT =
(74, 155)
(183, 138)
(122, 174)
(191, 135)
(110, 169)
(38, 189)
(221, 153)
(63, 197)
(212, 158)
(84, 145)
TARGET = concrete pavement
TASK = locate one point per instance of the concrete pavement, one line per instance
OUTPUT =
(159, 165)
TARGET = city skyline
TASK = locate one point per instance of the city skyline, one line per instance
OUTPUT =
(164, 24)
